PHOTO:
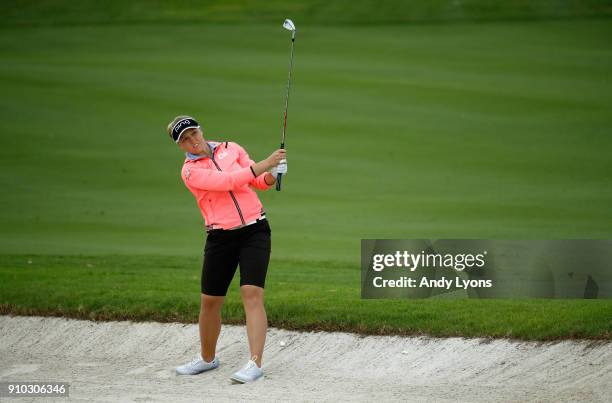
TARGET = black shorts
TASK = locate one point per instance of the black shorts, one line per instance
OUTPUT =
(248, 247)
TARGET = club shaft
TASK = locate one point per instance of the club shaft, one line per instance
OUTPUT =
(282, 145)
(287, 92)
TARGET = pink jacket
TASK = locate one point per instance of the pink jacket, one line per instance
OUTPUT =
(222, 185)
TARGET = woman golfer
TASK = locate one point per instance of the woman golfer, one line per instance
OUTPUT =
(221, 177)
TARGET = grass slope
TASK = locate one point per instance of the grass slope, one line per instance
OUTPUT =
(299, 295)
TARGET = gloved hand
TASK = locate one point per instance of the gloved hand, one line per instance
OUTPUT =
(281, 168)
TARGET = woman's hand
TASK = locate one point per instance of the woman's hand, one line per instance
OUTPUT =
(279, 169)
(273, 160)
(276, 157)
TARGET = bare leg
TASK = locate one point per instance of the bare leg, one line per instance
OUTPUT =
(210, 325)
(257, 321)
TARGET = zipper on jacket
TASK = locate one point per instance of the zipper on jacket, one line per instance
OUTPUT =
(231, 194)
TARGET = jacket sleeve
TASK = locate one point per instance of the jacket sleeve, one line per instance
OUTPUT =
(245, 161)
(209, 179)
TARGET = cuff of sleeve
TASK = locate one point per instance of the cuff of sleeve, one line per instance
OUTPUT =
(254, 176)
(266, 182)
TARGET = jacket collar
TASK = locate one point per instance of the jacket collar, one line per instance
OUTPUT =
(194, 157)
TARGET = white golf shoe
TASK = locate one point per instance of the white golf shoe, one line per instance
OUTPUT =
(249, 373)
(197, 365)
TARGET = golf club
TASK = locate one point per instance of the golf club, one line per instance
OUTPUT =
(289, 25)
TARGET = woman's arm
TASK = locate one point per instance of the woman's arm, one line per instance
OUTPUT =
(208, 179)
(262, 182)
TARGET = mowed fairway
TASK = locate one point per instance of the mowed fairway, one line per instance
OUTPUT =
(486, 130)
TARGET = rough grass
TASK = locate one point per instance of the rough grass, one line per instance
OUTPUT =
(299, 295)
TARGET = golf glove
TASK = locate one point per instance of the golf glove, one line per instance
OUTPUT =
(281, 168)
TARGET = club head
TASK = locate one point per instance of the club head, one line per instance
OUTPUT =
(288, 24)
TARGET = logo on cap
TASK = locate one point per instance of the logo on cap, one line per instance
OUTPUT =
(181, 126)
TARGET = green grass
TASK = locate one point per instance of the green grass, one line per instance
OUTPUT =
(472, 130)
(308, 12)
(437, 134)
(299, 295)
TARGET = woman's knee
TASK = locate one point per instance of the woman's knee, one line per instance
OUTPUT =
(211, 302)
(252, 296)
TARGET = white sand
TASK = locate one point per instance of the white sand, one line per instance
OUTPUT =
(110, 361)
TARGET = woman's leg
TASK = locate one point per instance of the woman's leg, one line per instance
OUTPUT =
(210, 325)
(257, 321)
(254, 258)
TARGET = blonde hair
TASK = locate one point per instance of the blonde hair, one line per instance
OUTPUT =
(174, 122)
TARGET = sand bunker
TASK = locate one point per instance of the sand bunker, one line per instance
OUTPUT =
(110, 361)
